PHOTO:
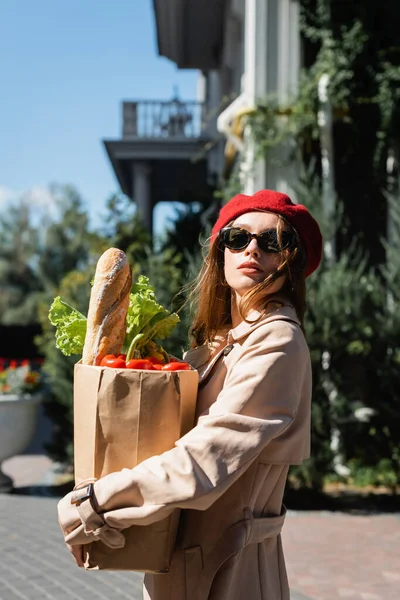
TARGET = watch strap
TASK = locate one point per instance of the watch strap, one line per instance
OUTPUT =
(95, 527)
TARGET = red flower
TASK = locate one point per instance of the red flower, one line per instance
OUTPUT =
(13, 364)
(32, 378)
(25, 363)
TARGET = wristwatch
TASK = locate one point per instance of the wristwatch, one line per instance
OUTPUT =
(81, 494)
(95, 527)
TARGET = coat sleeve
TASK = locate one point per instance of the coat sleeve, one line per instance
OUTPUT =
(258, 402)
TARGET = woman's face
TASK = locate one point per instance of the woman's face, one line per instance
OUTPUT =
(260, 264)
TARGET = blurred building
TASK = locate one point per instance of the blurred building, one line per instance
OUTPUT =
(157, 157)
(247, 51)
(243, 49)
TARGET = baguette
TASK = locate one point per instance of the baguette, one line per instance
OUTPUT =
(109, 301)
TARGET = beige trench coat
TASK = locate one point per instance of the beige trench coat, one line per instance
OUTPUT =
(228, 473)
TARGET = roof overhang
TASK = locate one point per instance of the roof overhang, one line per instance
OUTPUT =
(189, 32)
(123, 153)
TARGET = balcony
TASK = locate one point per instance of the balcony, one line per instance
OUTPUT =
(160, 155)
(156, 120)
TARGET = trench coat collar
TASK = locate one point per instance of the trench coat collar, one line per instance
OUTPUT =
(200, 357)
(255, 319)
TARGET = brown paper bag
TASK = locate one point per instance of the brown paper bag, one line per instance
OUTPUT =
(122, 417)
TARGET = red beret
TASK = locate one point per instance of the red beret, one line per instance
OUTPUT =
(296, 214)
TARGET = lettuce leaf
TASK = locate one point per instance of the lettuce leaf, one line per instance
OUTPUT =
(143, 306)
(146, 319)
(71, 327)
(163, 327)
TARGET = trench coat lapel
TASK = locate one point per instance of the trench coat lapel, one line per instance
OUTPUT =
(256, 319)
(199, 357)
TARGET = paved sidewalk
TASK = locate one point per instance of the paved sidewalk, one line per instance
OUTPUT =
(35, 564)
(329, 556)
(332, 555)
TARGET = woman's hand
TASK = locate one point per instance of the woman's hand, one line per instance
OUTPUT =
(68, 515)
(72, 528)
(77, 553)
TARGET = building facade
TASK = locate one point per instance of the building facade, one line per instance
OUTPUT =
(244, 50)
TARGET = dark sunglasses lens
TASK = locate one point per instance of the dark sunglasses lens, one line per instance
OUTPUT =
(288, 240)
(268, 241)
(236, 239)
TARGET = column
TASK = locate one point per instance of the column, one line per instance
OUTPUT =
(249, 167)
(283, 69)
(142, 193)
(272, 63)
(215, 157)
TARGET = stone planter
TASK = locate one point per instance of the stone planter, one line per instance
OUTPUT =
(18, 421)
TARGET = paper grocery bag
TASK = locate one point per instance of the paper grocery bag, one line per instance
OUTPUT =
(122, 417)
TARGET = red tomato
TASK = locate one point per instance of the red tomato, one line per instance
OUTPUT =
(113, 361)
(154, 360)
(157, 367)
(176, 366)
(123, 356)
(139, 363)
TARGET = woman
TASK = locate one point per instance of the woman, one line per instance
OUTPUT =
(253, 414)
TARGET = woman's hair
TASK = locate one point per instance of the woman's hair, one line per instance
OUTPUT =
(212, 296)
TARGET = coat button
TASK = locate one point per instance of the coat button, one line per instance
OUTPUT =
(227, 349)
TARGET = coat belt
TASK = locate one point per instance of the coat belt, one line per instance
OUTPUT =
(250, 530)
(265, 527)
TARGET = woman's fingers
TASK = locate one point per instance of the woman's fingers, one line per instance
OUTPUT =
(77, 553)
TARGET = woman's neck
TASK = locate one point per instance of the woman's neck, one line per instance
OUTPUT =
(236, 319)
(235, 315)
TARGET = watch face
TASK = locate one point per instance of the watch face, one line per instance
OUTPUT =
(82, 495)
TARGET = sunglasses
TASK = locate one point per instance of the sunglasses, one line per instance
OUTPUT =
(236, 238)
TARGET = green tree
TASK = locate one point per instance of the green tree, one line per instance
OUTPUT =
(372, 445)
(124, 229)
(66, 263)
(67, 242)
(19, 286)
(190, 223)
(74, 288)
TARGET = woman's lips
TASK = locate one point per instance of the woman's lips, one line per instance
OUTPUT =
(249, 271)
(250, 268)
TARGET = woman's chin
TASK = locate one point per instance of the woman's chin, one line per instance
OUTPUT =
(245, 288)
(247, 281)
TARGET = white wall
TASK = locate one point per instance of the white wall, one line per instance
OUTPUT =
(272, 64)
(261, 50)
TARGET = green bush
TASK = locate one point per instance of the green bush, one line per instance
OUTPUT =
(353, 332)
(381, 474)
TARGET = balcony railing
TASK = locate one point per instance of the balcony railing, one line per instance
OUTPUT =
(162, 119)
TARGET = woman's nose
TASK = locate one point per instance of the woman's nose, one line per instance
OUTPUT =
(252, 248)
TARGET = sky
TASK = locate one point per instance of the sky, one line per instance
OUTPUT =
(65, 67)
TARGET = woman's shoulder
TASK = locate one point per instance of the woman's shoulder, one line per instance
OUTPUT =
(280, 326)
(200, 355)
